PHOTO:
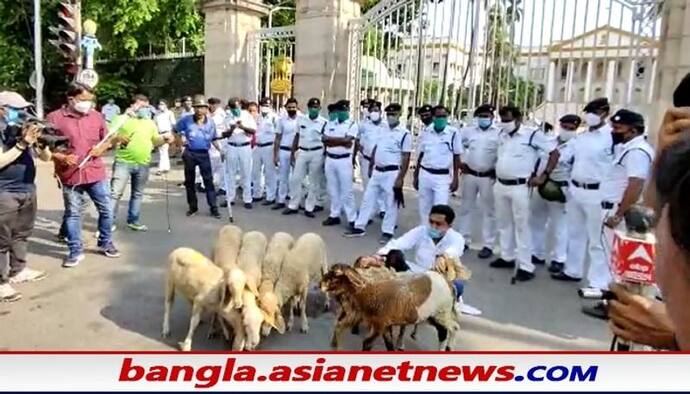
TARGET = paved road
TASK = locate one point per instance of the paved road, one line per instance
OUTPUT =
(118, 304)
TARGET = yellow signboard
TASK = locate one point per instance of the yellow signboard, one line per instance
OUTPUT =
(281, 83)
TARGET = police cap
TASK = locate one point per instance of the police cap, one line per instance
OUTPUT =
(342, 105)
(393, 107)
(600, 104)
(424, 108)
(314, 102)
(572, 119)
(484, 109)
(629, 118)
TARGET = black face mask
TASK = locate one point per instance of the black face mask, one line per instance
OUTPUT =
(618, 138)
(292, 113)
(427, 120)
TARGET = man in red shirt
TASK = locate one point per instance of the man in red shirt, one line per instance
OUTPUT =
(85, 128)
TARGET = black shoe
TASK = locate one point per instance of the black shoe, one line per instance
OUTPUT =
(562, 276)
(192, 212)
(485, 253)
(351, 224)
(597, 310)
(355, 232)
(278, 206)
(248, 205)
(221, 192)
(331, 221)
(257, 199)
(309, 214)
(318, 208)
(556, 267)
(223, 204)
(385, 238)
(500, 263)
(289, 211)
(382, 215)
(200, 188)
(215, 213)
(538, 261)
(268, 202)
(524, 276)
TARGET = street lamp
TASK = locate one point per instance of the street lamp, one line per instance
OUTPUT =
(267, 83)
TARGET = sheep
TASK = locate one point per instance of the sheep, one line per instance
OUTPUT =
(276, 251)
(306, 262)
(250, 258)
(199, 281)
(407, 299)
(245, 323)
(225, 255)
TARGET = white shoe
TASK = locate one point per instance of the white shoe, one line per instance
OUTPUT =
(462, 308)
(72, 262)
(28, 275)
(8, 294)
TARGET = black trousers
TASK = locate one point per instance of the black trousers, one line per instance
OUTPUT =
(201, 159)
(17, 216)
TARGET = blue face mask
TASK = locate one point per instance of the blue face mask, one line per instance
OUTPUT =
(11, 115)
(434, 233)
(144, 113)
(484, 123)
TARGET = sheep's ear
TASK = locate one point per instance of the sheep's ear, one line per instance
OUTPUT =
(251, 286)
(279, 323)
(354, 277)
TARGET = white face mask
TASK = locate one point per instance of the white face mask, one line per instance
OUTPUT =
(375, 116)
(508, 126)
(162, 107)
(83, 106)
(265, 110)
(565, 135)
(592, 119)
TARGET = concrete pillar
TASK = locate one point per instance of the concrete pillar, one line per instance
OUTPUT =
(610, 80)
(322, 48)
(588, 81)
(551, 81)
(569, 81)
(227, 66)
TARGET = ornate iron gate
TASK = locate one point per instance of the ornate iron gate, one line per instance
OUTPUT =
(271, 60)
(547, 56)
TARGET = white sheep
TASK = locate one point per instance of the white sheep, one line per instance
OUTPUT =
(305, 263)
(199, 281)
(225, 255)
(245, 323)
(251, 257)
(277, 249)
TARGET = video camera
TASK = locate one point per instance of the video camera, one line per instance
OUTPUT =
(48, 137)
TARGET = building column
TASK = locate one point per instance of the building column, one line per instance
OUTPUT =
(551, 81)
(227, 66)
(610, 79)
(322, 48)
(569, 81)
(588, 81)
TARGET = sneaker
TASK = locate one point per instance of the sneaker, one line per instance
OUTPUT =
(385, 238)
(278, 206)
(137, 227)
(73, 261)
(465, 309)
(61, 238)
(331, 222)
(248, 205)
(28, 275)
(355, 232)
(485, 253)
(289, 211)
(9, 294)
(109, 250)
(215, 213)
(192, 212)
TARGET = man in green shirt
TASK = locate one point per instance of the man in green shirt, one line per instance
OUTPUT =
(135, 139)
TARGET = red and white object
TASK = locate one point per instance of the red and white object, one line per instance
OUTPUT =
(633, 258)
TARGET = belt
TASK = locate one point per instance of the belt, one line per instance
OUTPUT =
(311, 149)
(485, 174)
(197, 150)
(513, 182)
(238, 144)
(265, 144)
(560, 183)
(387, 168)
(436, 171)
(586, 186)
(287, 148)
(334, 156)
(607, 205)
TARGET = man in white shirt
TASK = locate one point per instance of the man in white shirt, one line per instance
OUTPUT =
(390, 159)
(263, 165)
(110, 110)
(339, 137)
(592, 160)
(480, 153)
(438, 163)
(370, 126)
(238, 153)
(282, 150)
(165, 121)
(519, 148)
(218, 115)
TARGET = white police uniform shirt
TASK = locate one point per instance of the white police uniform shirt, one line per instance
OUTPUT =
(311, 131)
(480, 147)
(518, 152)
(632, 159)
(340, 130)
(391, 144)
(561, 173)
(368, 135)
(165, 121)
(592, 155)
(287, 128)
(266, 129)
(439, 148)
(426, 251)
(238, 135)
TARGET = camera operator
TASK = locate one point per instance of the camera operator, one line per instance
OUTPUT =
(85, 128)
(17, 193)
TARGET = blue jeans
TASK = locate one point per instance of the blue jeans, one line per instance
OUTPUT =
(459, 288)
(122, 173)
(74, 199)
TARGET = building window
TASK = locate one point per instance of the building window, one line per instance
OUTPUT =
(436, 67)
(601, 70)
(564, 70)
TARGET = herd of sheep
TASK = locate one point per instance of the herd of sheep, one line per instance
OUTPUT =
(250, 280)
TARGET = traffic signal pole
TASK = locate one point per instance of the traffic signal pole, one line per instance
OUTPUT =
(38, 58)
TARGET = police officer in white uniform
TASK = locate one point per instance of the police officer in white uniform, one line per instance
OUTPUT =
(287, 128)
(339, 137)
(519, 148)
(480, 152)
(390, 159)
(263, 166)
(592, 160)
(548, 221)
(369, 130)
(438, 163)
(238, 152)
(632, 163)
(307, 156)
